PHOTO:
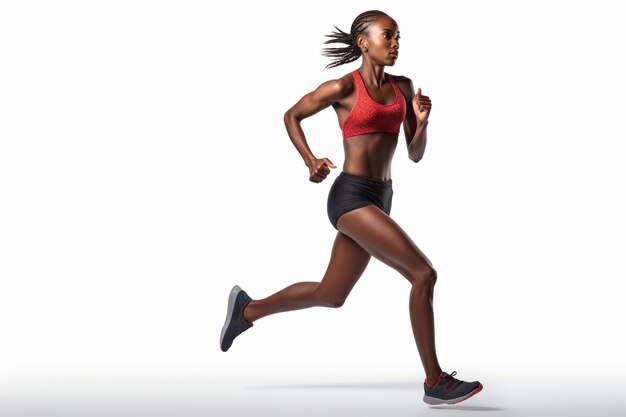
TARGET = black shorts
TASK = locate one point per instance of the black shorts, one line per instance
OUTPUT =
(350, 192)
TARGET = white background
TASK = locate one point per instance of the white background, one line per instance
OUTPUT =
(145, 170)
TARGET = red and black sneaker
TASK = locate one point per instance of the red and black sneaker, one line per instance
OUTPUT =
(449, 390)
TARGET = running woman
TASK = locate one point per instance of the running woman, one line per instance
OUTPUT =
(370, 105)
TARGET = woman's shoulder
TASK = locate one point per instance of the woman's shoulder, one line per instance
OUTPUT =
(344, 83)
(338, 87)
(401, 79)
(404, 84)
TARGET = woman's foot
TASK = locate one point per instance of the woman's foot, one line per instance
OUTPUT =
(449, 390)
(235, 322)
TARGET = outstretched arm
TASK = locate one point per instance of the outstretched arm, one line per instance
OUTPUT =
(415, 123)
(323, 96)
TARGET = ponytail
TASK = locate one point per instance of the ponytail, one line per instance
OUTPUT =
(351, 52)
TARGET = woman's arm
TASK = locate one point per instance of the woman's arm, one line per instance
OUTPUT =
(415, 126)
(323, 96)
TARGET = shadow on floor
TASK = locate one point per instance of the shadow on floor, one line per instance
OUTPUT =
(408, 385)
(467, 408)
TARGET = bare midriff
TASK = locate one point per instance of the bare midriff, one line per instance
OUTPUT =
(370, 155)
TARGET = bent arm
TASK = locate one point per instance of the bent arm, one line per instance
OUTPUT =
(323, 96)
(415, 134)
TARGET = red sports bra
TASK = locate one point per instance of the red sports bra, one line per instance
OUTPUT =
(367, 115)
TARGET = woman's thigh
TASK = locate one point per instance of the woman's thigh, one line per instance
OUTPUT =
(383, 238)
(347, 262)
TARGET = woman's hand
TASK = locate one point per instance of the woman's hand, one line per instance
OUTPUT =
(421, 106)
(318, 169)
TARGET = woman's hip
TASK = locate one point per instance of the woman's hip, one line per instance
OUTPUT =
(349, 192)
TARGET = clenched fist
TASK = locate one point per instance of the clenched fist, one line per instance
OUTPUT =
(421, 106)
(318, 169)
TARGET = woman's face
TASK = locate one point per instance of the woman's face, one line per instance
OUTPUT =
(382, 41)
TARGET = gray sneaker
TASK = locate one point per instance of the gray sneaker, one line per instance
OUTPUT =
(235, 323)
(449, 390)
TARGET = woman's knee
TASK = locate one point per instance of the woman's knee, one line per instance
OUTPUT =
(325, 299)
(424, 277)
(330, 302)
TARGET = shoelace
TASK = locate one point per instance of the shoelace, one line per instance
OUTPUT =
(450, 381)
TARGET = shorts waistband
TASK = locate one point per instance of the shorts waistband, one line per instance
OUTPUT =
(366, 180)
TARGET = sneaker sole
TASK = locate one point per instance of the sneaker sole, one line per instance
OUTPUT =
(438, 401)
(229, 313)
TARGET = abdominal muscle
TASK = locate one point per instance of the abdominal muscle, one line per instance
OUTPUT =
(370, 155)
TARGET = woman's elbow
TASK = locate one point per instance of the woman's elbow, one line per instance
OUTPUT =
(290, 116)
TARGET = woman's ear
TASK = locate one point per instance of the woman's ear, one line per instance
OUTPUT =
(361, 41)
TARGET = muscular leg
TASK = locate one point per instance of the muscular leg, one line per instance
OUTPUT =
(383, 238)
(347, 263)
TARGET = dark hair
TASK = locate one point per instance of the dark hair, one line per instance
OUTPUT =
(351, 52)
